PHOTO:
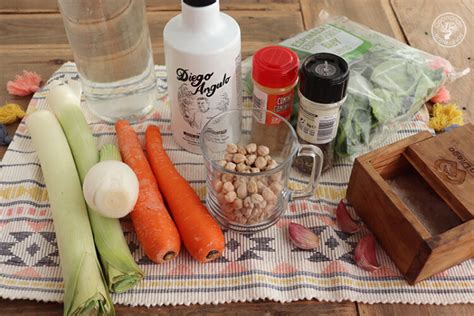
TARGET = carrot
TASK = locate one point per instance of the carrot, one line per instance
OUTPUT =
(200, 233)
(155, 229)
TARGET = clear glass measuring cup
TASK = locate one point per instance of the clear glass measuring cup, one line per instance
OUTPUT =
(266, 194)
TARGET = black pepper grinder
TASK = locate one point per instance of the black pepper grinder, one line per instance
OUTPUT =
(322, 91)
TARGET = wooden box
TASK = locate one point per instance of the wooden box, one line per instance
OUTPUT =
(417, 197)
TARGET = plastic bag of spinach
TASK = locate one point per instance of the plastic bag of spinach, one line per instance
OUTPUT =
(390, 81)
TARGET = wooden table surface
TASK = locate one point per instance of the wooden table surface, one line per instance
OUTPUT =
(32, 37)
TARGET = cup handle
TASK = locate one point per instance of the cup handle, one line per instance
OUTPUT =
(314, 152)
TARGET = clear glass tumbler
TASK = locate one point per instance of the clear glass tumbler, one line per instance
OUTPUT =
(112, 50)
(261, 197)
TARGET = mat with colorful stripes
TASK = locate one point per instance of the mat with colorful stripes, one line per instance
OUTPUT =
(263, 265)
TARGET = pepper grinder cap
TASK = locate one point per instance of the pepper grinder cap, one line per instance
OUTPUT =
(324, 78)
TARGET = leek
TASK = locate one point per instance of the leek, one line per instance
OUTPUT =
(84, 289)
(120, 269)
(130, 274)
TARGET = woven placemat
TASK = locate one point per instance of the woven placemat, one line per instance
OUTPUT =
(264, 265)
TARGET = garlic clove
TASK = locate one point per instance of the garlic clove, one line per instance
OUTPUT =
(344, 220)
(303, 237)
(364, 254)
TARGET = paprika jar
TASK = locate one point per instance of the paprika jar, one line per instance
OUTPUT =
(275, 75)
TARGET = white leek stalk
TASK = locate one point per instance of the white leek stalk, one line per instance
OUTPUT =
(84, 289)
(120, 269)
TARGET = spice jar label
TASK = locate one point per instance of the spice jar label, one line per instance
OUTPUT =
(317, 126)
(280, 104)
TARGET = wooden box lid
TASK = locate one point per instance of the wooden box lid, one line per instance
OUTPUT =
(446, 162)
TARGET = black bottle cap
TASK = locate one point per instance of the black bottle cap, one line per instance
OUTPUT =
(324, 78)
(199, 3)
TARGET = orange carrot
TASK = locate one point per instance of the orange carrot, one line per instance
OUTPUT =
(155, 229)
(200, 233)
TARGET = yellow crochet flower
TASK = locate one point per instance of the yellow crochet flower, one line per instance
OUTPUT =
(445, 115)
(9, 113)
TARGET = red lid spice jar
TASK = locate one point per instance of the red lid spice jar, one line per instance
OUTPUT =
(275, 75)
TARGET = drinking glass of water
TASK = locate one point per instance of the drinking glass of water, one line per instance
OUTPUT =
(112, 50)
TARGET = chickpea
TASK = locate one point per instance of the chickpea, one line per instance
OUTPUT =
(241, 167)
(252, 187)
(272, 164)
(222, 163)
(238, 158)
(248, 202)
(251, 148)
(254, 170)
(230, 196)
(251, 159)
(276, 187)
(246, 212)
(263, 150)
(268, 195)
(258, 200)
(252, 221)
(221, 198)
(240, 219)
(238, 182)
(228, 157)
(260, 163)
(231, 148)
(230, 166)
(255, 213)
(227, 177)
(268, 210)
(276, 177)
(241, 150)
(237, 204)
(218, 186)
(260, 186)
(227, 187)
(264, 180)
(242, 191)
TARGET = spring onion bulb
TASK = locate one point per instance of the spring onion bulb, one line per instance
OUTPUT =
(120, 269)
(84, 289)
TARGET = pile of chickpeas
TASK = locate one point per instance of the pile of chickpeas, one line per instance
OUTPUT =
(248, 199)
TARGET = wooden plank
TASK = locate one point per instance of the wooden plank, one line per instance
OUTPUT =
(51, 6)
(46, 30)
(417, 30)
(376, 14)
(301, 308)
(415, 310)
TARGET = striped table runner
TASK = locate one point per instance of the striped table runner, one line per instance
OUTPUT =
(264, 265)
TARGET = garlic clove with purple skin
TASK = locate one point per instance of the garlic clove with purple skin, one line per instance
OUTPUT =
(344, 220)
(303, 237)
(364, 254)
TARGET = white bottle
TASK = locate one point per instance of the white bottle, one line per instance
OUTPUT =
(202, 52)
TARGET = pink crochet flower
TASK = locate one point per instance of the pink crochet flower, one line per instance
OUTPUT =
(24, 84)
(438, 62)
(442, 96)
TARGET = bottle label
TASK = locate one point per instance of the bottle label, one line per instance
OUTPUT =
(316, 125)
(199, 90)
(280, 104)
